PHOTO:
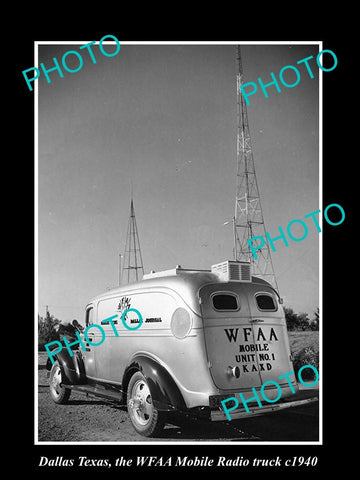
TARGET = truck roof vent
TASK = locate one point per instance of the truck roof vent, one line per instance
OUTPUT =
(232, 271)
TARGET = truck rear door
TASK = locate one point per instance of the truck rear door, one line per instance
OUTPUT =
(228, 330)
(244, 328)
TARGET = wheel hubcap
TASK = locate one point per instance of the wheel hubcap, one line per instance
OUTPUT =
(140, 403)
(56, 382)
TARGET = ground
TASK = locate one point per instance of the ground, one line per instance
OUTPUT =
(90, 419)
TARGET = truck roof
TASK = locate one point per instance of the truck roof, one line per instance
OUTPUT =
(186, 282)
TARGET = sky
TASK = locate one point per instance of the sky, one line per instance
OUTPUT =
(161, 120)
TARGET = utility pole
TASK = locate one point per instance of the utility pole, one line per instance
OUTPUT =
(132, 269)
(119, 269)
(248, 221)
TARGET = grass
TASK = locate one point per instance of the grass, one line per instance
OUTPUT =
(301, 340)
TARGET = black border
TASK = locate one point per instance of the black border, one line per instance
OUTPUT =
(338, 130)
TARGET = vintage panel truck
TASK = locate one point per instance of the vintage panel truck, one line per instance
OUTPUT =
(179, 342)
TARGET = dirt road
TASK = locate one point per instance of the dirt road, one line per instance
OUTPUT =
(89, 419)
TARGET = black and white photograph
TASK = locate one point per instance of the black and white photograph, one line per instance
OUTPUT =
(180, 208)
(153, 184)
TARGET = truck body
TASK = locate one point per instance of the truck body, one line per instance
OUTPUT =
(178, 343)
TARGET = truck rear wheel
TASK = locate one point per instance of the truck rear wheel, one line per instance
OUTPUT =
(58, 392)
(146, 419)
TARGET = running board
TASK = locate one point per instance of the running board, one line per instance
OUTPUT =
(97, 391)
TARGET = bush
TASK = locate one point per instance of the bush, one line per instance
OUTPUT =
(300, 321)
(307, 356)
(46, 330)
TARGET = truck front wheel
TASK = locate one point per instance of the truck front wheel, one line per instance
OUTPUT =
(146, 419)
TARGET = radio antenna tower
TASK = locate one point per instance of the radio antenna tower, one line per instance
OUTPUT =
(133, 269)
(248, 221)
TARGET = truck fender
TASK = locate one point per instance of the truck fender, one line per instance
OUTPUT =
(165, 393)
(72, 368)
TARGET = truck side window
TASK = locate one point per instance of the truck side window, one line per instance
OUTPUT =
(265, 302)
(225, 301)
(89, 320)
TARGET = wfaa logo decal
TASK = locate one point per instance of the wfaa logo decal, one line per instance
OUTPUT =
(124, 304)
(124, 308)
